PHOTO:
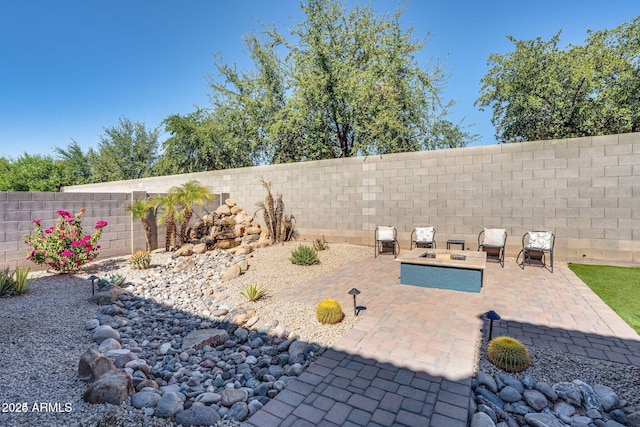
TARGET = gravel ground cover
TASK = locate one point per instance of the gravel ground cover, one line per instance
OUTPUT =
(42, 336)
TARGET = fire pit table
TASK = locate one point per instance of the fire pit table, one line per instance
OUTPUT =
(443, 269)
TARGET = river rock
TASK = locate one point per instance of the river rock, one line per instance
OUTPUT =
(198, 415)
(103, 332)
(204, 337)
(169, 404)
(535, 399)
(229, 396)
(145, 399)
(569, 392)
(481, 419)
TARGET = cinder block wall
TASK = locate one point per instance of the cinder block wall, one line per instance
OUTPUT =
(585, 190)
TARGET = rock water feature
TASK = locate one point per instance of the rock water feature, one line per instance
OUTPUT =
(504, 401)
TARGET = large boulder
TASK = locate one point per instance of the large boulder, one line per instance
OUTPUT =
(112, 387)
(93, 365)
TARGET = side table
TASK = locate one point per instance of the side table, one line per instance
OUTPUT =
(455, 242)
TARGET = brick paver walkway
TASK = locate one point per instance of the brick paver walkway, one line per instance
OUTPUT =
(410, 358)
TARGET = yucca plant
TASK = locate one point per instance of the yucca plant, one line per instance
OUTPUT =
(140, 260)
(22, 283)
(329, 312)
(304, 255)
(6, 283)
(253, 292)
(508, 354)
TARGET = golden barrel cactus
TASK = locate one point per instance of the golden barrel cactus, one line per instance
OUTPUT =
(508, 354)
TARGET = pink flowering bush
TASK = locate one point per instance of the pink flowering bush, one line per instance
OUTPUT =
(64, 247)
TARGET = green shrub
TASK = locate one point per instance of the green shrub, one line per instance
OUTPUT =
(508, 354)
(304, 255)
(253, 292)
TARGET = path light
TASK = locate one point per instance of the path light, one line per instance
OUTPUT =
(93, 283)
(492, 315)
(354, 292)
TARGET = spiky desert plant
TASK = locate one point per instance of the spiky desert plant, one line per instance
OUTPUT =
(329, 312)
(304, 255)
(111, 279)
(140, 260)
(269, 210)
(6, 282)
(253, 292)
(320, 244)
(139, 209)
(278, 217)
(508, 354)
(189, 194)
(21, 282)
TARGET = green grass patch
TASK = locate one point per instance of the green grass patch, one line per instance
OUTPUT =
(618, 287)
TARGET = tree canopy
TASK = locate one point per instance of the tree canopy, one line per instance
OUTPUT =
(345, 83)
(125, 151)
(539, 91)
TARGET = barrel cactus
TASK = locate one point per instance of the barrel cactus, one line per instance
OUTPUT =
(140, 260)
(508, 354)
(329, 312)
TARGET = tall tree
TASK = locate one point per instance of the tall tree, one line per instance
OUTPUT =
(196, 144)
(539, 91)
(349, 85)
(78, 163)
(125, 151)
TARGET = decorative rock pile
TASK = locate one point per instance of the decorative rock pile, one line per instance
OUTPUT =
(505, 401)
(228, 227)
(188, 353)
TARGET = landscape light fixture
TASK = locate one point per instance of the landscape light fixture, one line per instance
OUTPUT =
(93, 279)
(354, 292)
(492, 315)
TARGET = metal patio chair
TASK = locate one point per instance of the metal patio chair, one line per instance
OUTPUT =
(423, 237)
(493, 242)
(386, 241)
(535, 246)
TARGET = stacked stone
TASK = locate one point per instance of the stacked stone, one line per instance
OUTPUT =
(229, 226)
(504, 401)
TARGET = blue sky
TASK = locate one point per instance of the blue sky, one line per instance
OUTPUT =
(70, 68)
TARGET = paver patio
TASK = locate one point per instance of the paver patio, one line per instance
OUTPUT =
(410, 358)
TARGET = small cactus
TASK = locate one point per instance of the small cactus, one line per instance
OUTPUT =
(140, 260)
(329, 312)
(508, 354)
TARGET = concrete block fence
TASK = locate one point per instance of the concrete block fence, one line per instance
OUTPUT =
(585, 190)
